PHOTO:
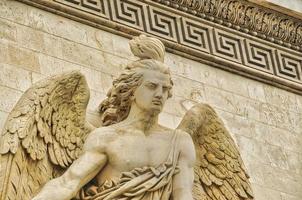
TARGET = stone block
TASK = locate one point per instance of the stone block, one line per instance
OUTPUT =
(252, 150)
(8, 31)
(56, 25)
(242, 126)
(96, 98)
(52, 45)
(255, 171)
(282, 180)
(263, 193)
(113, 64)
(83, 55)
(294, 160)
(195, 92)
(4, 55)
(256, 90)
(24, 58)
(285, 196)
(299, 103)
(9, 98)
(278, 137)
(14, 11)
(277, 157)
(246, 107)
(174, 106)
(167, 120)
(51, 65)
(121, 47)
(14, 77)
(106, 82)
(281, 98)
(232, 83)
(3, 117)
(221, 99)
(100, 39)
(35, 77)
(94, 79)
(30, 38)
(275, 116)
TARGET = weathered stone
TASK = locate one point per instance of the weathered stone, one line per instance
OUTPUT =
(13, 77)
(81, 54)
(277, 157)
(30, 38)
(220, 98)
(247, 107)
(256, 91)
(195, 92)
(24, 58)
(100, 39)
(9, 98)
(3, 116)
(115, 62)
(280, 98)
(263, 193)
(294, 161)
(8, 31)
(266, 122)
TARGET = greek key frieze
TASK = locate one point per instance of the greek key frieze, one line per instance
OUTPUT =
(229, 34)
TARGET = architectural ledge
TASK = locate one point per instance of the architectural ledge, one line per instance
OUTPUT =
(238, 36)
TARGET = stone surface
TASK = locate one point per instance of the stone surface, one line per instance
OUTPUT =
(266, 121)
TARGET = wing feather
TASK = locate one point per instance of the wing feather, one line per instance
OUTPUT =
(219, 171)
(43, 135)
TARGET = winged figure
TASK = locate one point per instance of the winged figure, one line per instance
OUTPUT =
(48, 150)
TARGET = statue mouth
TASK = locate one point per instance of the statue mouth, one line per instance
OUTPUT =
(157, 102)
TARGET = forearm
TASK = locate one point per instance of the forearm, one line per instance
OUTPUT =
(77, 175)
(59, 189)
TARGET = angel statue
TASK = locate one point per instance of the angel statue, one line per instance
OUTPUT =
(49, 151)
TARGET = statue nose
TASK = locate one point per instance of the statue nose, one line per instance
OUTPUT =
(159, 93)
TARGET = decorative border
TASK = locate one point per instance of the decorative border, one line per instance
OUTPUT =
(195, 37)
(246, 17)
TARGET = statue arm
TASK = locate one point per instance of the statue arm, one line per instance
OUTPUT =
(183, 181)
(82, 170)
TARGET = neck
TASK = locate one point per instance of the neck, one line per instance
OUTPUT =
(142, 119)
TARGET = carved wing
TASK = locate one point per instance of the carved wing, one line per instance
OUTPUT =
(219, 171)
(43, 134)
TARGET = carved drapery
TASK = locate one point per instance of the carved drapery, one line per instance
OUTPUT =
(235, 35)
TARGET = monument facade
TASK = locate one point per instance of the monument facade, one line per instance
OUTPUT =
(261, 110)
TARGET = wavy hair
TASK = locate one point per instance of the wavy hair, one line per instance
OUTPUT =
(116, 106)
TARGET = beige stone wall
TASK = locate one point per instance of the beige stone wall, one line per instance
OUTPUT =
(295, 5)
(265, 121)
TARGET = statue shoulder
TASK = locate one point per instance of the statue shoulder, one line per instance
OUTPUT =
(100, 138)
(186, 146)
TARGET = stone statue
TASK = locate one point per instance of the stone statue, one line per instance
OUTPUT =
(50, 152)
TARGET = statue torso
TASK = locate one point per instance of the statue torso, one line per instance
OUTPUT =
(131, 149)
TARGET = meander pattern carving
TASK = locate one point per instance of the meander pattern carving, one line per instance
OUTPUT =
(246, 17)
(96, 7)
(208, 37)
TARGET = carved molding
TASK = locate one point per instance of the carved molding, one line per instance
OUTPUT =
(221, 33)
(246, 17)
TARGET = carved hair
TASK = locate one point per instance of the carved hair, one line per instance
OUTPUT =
(116, 106)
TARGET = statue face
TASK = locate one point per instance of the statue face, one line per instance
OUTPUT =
(153, 92)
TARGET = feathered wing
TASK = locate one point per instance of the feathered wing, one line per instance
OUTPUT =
(43, 134)
(219, 171)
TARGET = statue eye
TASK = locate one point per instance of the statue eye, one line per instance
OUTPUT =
(151, 85)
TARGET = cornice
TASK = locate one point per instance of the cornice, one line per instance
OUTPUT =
(202, 35)
(248, 17)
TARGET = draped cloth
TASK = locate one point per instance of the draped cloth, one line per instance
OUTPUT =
(145, 183)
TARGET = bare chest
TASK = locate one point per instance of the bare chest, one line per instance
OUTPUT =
(131, 151)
